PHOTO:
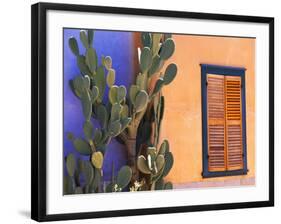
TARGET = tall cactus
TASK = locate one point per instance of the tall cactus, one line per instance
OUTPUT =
(156, 49)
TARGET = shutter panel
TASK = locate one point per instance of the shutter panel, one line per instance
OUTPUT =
(216, 123)
(233, 123)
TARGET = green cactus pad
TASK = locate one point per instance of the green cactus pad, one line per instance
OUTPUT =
(88, 171)
(167, 49)
(86, 82)
(124, 176)
(90, 37)
(142, 165)
(70, 164)
(102, 115)
(115, 112)
(97, 136)
(125, 122)
(158, 86)
(86, 105)
(156, 41)
(82, 146)
(91, 59)
(81, 63)
(100, 81)
(141, 81)
(134, 89)
(152, 152)
(145, 59)
(88, 130)
(170, 73)
(159, 185)
(73, 46)
(121, 93)
(71, 85)
(97, 159)
(94, 94)
(125, 111)
(156, 62)
(97, 180)
(114, 128)
(141, 101)
(146, 39)
(110, 78)
(164, 148)
(168, 186)
(160, 161)
(169, 161)
(84, 38)
(78, 85)
(112, 95)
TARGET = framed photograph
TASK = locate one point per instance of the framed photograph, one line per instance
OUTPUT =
(138, 111)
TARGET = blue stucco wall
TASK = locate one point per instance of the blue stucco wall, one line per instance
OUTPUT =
(118, 45)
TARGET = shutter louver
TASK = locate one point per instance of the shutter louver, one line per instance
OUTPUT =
(216, 123)
(233, 123)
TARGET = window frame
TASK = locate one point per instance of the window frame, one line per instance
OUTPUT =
(225, 71)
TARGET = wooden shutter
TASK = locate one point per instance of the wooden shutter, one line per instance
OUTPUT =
(233, 122)
(216, 122)
(225, 148)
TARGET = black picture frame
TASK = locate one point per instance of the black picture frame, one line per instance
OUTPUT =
(39, 114)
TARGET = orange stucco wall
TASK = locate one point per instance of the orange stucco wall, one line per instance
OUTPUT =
(182, 118)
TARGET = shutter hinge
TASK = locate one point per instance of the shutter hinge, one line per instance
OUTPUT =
(206, 83)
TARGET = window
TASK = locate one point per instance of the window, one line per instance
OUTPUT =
(223, 121)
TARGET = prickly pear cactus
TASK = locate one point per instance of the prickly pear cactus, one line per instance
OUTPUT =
(129, 115)
(143, 95)
(156, 165)
(89, 86)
